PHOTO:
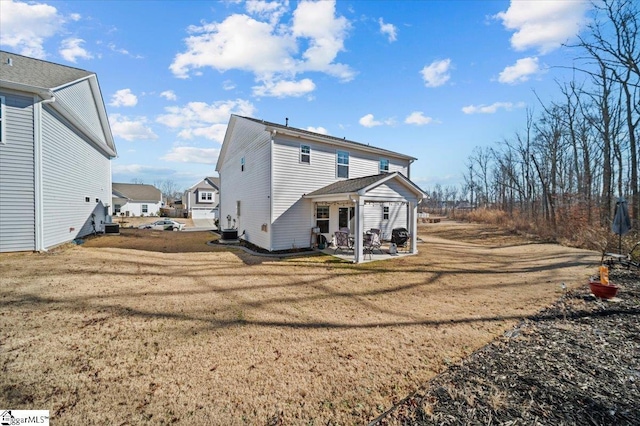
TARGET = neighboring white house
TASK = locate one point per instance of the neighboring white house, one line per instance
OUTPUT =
(55, 152)
(201, 200)
(278, 183)
(132, 199)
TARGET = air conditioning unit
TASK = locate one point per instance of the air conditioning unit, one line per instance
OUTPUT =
(112, 228)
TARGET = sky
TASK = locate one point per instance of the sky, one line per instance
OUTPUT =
(431, 79)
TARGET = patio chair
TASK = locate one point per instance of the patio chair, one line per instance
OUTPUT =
(371, 243)
(343, 242)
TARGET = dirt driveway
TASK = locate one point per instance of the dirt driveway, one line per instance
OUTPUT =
(170, 329)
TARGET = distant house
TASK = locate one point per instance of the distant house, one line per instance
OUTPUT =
(132, 199)
(201, 200)
(279, 184)
(55, 152)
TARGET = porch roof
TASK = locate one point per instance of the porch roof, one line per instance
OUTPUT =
(360, 186)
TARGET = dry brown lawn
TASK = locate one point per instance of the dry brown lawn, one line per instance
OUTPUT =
(158, 327)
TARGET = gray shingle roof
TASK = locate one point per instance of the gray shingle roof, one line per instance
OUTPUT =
(327, 137)
(36, 72)
(348, 186)
(137, 192)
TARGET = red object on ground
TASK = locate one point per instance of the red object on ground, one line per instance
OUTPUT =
(603, 291)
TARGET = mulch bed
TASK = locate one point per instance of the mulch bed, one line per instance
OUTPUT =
(575, 363)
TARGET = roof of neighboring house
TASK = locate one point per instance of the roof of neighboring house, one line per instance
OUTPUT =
(36, 72)
(327, 138)
(137, 192)
(210, 180)
(354, 185)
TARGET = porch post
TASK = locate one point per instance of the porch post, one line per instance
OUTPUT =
(413, 224)
(359, 231)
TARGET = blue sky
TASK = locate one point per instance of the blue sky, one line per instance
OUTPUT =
(431, 79)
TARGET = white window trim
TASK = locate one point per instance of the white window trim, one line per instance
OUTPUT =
(339, 164)
(380, 170)
(301, 154)
(3, 121)
(205, 200)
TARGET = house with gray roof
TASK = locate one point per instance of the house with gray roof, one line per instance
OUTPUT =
(133, 199)
(56, 148)
(201, 200)
(282, 187)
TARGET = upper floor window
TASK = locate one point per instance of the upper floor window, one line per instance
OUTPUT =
(384, 165)
(205, 196)
(242, 164)
(342, 163)
(305, 154)
(3, 139)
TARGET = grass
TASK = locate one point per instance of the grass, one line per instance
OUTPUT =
(169, 330)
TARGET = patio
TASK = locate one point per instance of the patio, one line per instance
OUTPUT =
(382, 254)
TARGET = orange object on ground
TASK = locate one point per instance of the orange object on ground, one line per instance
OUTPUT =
(604, 275)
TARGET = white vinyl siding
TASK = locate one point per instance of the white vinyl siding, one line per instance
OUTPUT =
(17, 175)
(79, 100)
(2, 121)
(251, 187)
(72, 170)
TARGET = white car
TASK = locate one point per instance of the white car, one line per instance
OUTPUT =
(164, 225)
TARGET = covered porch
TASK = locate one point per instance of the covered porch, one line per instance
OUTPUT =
(382, 202)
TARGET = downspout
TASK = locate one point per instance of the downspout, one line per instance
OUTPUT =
(47, 98)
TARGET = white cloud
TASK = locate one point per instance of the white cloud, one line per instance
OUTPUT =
(75, 17)
(124, 97)
(493, 108)
(320, 130)
(281, 89)
(71, 49)
(202, 119)
(265, 46)
(228, 85)
(437, 73)
(544, 25)
(131, 129)
(25, 26)
(190, 154)
(169, 95)
(418, 118)
(520, 71)
(369, 121)
(389, 30)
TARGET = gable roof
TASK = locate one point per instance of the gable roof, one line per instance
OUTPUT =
(36, 72)
(44, 78)
(363, 184)
(136, 192)
(209, 180)
(326, 138)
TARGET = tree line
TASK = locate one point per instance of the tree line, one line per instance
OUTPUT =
(576, 155)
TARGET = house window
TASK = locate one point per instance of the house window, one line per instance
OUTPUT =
(206, 196)
(342, 164)
(384, 165)
(322, 219)
(145, 208)
(2, 121)
(385, 213)
(116, 208)
(242, 164)
(305, 154)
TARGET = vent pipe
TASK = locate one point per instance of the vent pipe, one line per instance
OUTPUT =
(286, 122)
(10, 62)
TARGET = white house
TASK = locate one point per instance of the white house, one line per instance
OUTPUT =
(55, 152)
(133, 199)
(278, 183)
(201, 200)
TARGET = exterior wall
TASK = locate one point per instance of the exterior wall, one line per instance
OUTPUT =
(134, 208)
(17, 175)
(292, 216)
(79, 99)
(72, 172)
(250, 187)
(199, 209)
